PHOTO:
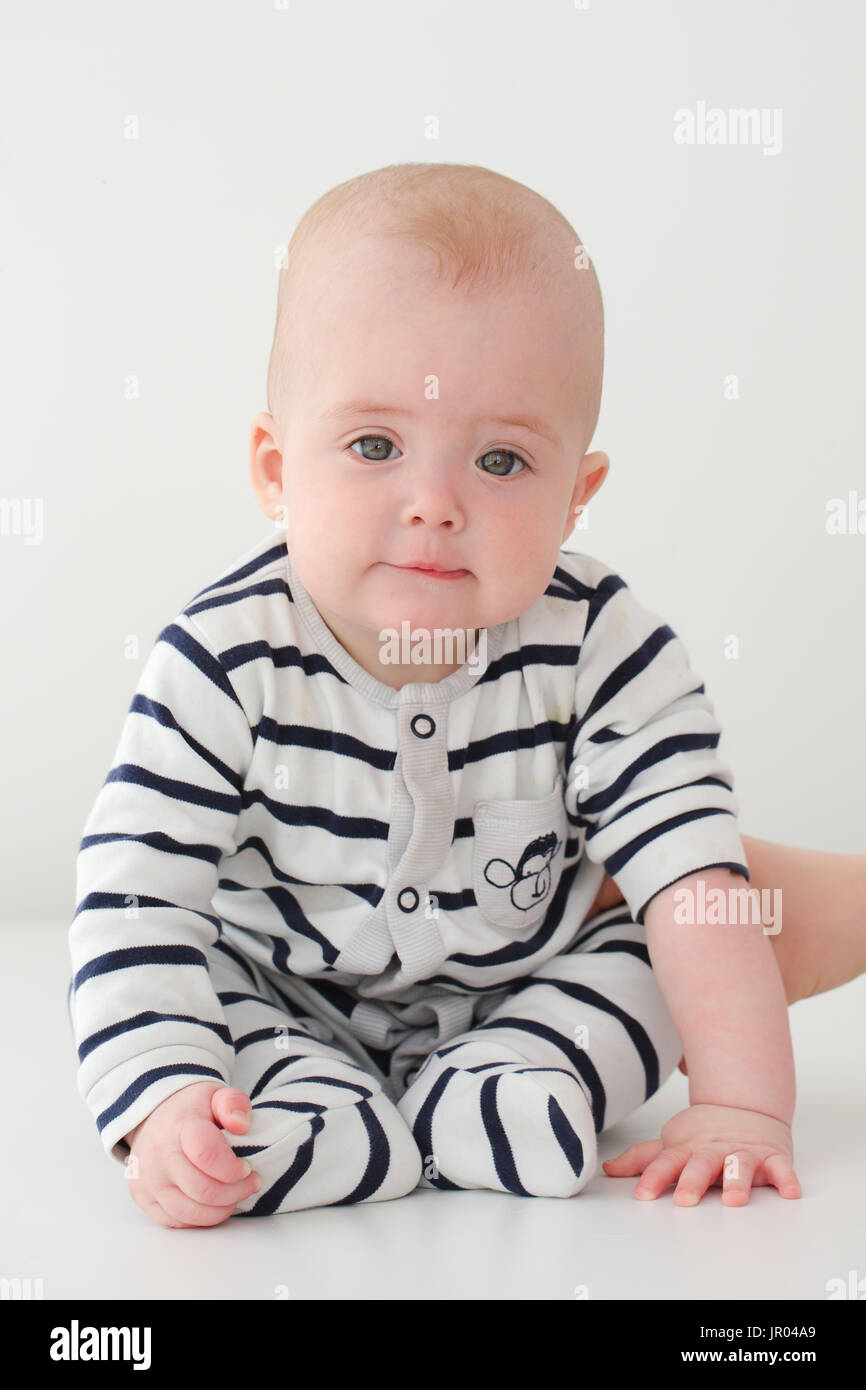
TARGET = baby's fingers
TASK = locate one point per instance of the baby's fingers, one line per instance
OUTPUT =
(700, 1172)
(186, 1211)
(659, 1174)
(633, 1159)
(209, 1194)
(738, 1175)
(206, 1148)
(232, 1108)
(780, 1172)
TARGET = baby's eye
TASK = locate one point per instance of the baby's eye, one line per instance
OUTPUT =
(380, 443)
(500, 455)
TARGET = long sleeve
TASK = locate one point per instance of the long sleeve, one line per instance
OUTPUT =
(144, 1013)
(643, 777)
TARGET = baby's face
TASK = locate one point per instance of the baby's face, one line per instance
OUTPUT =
(429, 425)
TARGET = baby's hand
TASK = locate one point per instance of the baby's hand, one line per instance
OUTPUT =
(181, 1171)
(709, 1145)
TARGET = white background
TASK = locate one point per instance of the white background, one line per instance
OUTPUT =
(156, 257)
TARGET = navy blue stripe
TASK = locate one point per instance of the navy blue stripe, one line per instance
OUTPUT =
(311, 663)
(374, 1175)
(172, 787)
(101, 900)
(367, 892)
(556, 591)
(145, 1020)
(422, 1130)
(572, 587)
(292, 914)
(709, 781)
(658, 753)
(378, 1163)
(616, 861)
(141, 704)
(147, 1079)
(344, 827)
(223, 947)
(278, 551)
(600, 922)
(338, 1083)
(624, 948)
(626, 671)
(175, 636)
(140, 955)
(567, 1137)
(157, 839)
(257, 1035)
(600, 597)
(326, 740)
(638, 1035)
(577, 1056)
(267, 586)
(271, 1199)
(507, 741)
(500, 1148)
(531, 654)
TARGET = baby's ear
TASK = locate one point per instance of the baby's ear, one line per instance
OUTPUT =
(266, 464)
(592, 472)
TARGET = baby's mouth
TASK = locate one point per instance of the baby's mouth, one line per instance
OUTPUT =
(431, 573)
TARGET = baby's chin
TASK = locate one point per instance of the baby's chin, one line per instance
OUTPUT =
(389, 596)
(424, 616)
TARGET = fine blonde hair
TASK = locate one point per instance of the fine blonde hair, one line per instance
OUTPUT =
(481, 227)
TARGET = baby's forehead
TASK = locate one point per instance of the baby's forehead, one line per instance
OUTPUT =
(529, 279)
(374, 269)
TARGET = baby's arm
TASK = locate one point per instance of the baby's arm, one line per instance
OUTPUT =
(146, 1018)
(645, 781)
(723, 988)
(725, 994)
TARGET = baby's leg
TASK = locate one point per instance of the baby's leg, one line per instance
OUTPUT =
(322, 1131)
(517, 1103)
(822, 943)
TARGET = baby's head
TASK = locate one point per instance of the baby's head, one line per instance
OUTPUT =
(434, 384)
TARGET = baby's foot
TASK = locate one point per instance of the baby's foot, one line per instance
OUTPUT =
(505, 1126)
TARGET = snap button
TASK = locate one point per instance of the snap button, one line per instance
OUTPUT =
(422, 726)
(412, 901)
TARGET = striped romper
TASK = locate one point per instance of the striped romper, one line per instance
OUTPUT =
(362, 906)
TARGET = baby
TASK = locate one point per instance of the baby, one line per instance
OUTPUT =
(347, 898)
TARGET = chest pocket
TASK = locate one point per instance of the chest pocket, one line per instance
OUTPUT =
(517, 857)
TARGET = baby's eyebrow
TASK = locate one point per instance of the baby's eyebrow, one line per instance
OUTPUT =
(531, 423)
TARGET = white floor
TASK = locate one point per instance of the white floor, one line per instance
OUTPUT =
(69, 1221)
